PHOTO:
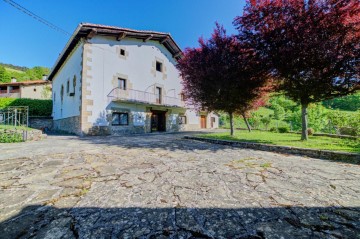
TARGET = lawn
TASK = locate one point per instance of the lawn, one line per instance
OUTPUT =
(13, 127)
(290, 139)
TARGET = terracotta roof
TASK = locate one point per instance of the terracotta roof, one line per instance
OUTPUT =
(30, 82)
(88, 30)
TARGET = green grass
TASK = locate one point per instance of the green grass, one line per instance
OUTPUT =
(13, 70)
(13, 127)
(290, 139)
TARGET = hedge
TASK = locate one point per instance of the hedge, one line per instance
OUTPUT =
(36, 107)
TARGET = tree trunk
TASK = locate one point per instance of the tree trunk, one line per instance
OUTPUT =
(246, 122)
(304, 122)
(231, 124)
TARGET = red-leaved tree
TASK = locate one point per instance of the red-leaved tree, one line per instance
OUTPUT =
(312, 46)
(222, 75)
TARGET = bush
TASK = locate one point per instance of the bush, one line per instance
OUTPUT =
(36, 107)
(310, 131)
(274, 129)
(6, 137)
(283, 130)
(348, 131)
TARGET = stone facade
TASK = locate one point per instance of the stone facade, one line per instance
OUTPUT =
(70, 125)
(42, 123)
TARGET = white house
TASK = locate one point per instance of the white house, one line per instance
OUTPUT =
(111, 80)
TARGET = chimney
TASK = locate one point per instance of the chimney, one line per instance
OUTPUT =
(44, 77)
(13, 79)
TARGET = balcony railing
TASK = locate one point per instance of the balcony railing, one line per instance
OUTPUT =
(130, 95)
(3, 91)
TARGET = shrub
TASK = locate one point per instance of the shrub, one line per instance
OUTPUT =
(274, 129)
(10, 137)
(283, 130)
(36, 107)
(266, 121)
(348, 131)
(310, 131)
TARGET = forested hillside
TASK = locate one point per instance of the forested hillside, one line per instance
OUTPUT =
(7, 71)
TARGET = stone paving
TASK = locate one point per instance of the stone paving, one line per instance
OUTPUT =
(163, 186)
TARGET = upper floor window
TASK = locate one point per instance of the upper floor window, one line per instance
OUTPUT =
(159, 66)
(122, 52)
(158, 95)
(122, 83)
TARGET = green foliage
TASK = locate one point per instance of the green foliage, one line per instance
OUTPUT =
(4, 75)
(348, 103)
(274, 129)
(10, 137)
(279, 112)
(266, 120)
(317, 116)
(255, 120)
(21, 73)
(283, 130)
(36, 107)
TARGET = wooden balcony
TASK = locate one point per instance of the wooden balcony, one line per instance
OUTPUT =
(137, 96)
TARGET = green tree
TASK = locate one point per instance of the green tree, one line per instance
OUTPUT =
(4, 75)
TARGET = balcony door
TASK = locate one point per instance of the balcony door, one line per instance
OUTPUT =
(158, 92)
(158, 121)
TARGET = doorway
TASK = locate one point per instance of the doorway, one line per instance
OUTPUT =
(203, 121)
(158, 121)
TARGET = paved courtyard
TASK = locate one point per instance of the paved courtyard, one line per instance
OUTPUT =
(163, 186)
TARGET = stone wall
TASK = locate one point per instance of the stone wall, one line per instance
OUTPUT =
(27, 135)
(69, 125)
(41, 123)
(315, 153)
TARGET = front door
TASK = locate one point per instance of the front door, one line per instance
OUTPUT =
(203, 121)
(158, 121)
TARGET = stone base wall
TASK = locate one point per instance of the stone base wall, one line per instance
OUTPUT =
(99, 130)
(69, 125)
(26, 135)
(42, 123)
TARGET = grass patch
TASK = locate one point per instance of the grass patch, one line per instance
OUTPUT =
(9, 127)
(290, 139)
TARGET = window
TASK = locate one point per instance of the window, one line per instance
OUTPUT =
(62, 93)
(122, 83)
(122, 52)
(74, 83)
(158, 95)
(182, 119)
(182, 97)
(120, 119)
(68, 86)
(159, 66)
(35, 89)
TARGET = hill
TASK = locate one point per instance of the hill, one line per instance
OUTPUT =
(21, 73)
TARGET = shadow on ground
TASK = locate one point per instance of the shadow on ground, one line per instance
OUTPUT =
(165, 141)
(245, 223)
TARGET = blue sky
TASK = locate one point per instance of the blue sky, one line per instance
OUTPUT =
(27, 42)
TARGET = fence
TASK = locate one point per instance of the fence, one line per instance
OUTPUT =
(15, 116)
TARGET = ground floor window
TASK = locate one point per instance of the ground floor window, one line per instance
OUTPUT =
(120, 118)
(182, 119)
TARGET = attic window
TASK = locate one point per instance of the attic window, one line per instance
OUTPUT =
(159, 66)
(122, 52)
